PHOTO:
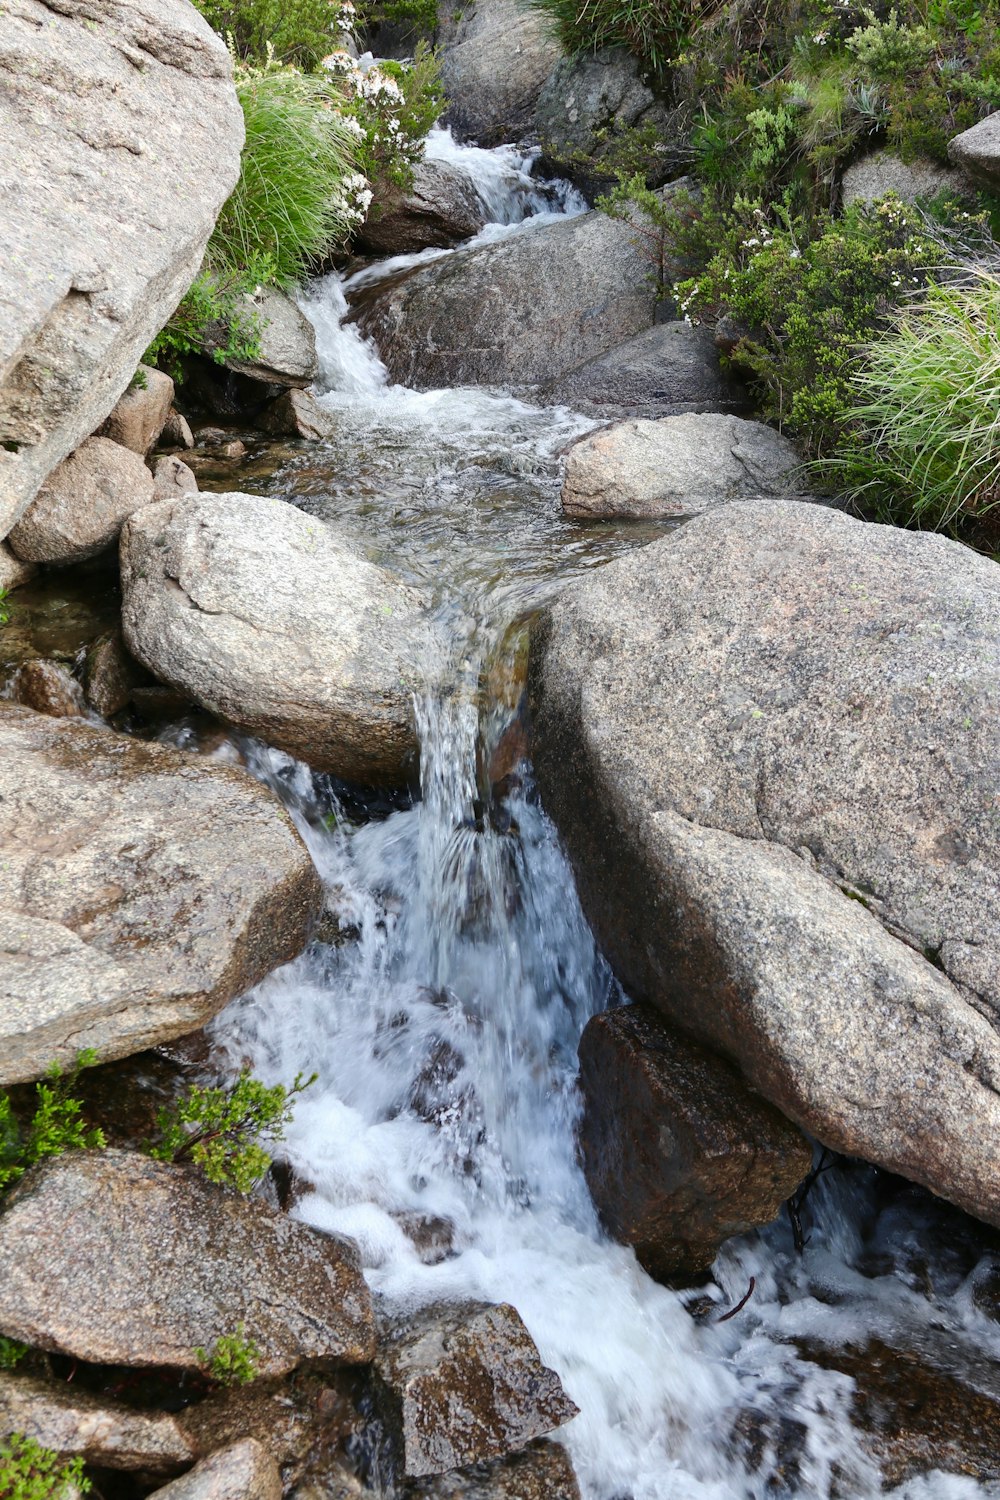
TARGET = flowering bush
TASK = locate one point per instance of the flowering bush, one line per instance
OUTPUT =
(389, 108)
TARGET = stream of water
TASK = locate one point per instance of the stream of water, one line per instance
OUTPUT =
(443, 1006)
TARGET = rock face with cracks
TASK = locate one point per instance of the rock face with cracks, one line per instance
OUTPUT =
(141, 889)
(770, 744)
(263, 615)
(662, 372)
(121, 135)
(104, 1432)
(116, 1259)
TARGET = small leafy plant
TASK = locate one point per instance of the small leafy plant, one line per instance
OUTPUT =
(30, 1472)
(57, 1124)
(4, 606)
(11, 1353)
(221, 1129)
(234, 1360)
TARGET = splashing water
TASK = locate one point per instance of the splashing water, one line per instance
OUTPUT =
(443, 1013)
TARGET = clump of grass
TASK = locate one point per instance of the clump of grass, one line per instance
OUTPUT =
(925, 445)
(654, 30)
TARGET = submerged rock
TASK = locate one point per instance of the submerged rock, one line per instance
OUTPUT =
(442, 208)
(679, 1154)
(541, 1471)
(81, 507)
(461, 1384)
(150, 1263)
(516, 312)
(677, 466)
(120, 138)
(246, 1471)
(138, 420)
(71, 1422)
(769, 743)
(140, 890)
(263, 615)
(662, 372)
(494, 69)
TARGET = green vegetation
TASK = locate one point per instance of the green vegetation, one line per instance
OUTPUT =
(11, 1353)
(420, 17)
(234, 1360)
(654, 30)
(4, 606)
(31, 1472)
(57, 1124)
(291, 31)
(221, 1129)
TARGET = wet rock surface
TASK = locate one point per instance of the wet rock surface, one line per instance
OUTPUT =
(117, 1259)
(662, 372)
(461, 1384)
(264, 616)
(140, 890)
(105, 1433)
(493, 71)
(498, 315)
(244, 1471)
(679, 1154)
(769, 744)
(542, 1471)
(49, 688)
(677, 466)
(441, 209)
(112, 252)
(111, 676)
(81, 507)
(297, 414)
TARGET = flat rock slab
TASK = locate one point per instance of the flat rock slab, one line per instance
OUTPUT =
(80, 509)
(677, 466)
(120, 139)
(462, 1384)
(770, 742)
(664, 371)
(115, 1259)
(679, 1154)
(245, 1471)
(542, 1471)
(141, 889)
(264, 616)
(105, 1433)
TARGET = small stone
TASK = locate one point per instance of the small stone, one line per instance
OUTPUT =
(13, 570)
(79, 510)
(49, 688)
(116, 1259)
(462, 1384)
(172, 478)
(542, 1471)
(286, 342)
(141, 414)
(111, 675)
(246, 1471)
(71, 1422)
(176, 432)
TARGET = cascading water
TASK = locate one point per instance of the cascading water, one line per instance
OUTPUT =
(443, 1012)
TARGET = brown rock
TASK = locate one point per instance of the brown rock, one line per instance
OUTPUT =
(141, 414)
(13, 571)
(49, 688)
(116, 1259)
(679, 1154)
(110, 675)
(172, 478)
(70, 1422)
(176, 432)
(542, 1471)
(462, 1384)
(296, 414)
(80, 508)
(246, 1471)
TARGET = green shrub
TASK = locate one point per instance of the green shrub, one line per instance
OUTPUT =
(221, 1129)
(390, 109)
(31, 1472)
(924, 446)
(890, 49)
(4, 606)
(295, 31)
(57, 1124)
(653, 29)
(11, 1353)
(234, 1360)
(214, 317)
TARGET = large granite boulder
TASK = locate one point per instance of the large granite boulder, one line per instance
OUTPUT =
(677, 466)
(977, 151)
(263, 615)
(80, 509)
(770, 743)
(494, 68)
(121, 134)
(286, 354)
(518, 311)
(71, 1422)
(119, 1260)
(140, 416)
(872, 177)
(664, 371)
(679, 1154)
(462, 1384)
(442, 208)
(141, 889)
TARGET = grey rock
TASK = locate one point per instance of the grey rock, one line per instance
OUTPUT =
(70, 1422)
(246, 1471)
(664, 371)
(977, 151)
(79, 510)
(441, 209)
(541, 1471)
(297, 414)
(13, 571)
(111, 675)
(139, 418)
(263, 615)
(172, 478)
(871, 177)
(287, 353)
(113, 1258)
(677, 466)
(141, 889)
(49, 688)
(177, 432)
(769, 742)
(517, 312)
(679, 1154)
(460, 1384)
(121, 134)
(494, 70)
